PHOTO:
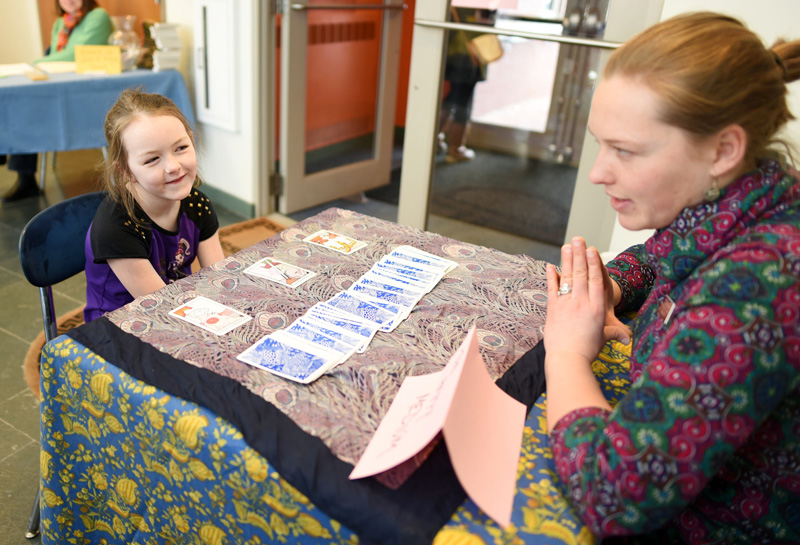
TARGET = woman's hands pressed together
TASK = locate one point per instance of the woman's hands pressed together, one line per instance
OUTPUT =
(575, 319)
(580, 300)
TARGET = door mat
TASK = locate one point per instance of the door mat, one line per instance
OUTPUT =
(521, 196)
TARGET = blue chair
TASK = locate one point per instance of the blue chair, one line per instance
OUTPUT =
(51, 251)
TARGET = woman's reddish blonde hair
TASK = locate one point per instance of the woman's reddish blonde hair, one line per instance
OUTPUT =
(711, 72)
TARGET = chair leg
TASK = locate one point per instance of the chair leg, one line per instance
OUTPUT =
(42, 170)
(33, 522)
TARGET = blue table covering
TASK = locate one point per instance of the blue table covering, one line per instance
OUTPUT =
(67, 111)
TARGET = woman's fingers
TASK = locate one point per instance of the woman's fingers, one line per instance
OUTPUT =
(595, 276)
(566, 264)
(552, 281)
(579, 267)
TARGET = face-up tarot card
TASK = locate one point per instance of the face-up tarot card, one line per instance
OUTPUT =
(279, 272)
(210, 315)
(335, 241)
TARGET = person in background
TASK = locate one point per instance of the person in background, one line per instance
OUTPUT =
(704, 447)
(154, 222)
(80, 22)
(462, 72)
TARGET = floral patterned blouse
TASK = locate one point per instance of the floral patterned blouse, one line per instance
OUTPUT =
(705, 447)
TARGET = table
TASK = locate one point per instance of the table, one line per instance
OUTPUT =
(150, 428)
(67, 111)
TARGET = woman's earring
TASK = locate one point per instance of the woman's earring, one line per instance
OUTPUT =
(712, 193)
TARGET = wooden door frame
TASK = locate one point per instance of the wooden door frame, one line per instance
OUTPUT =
(301, 190)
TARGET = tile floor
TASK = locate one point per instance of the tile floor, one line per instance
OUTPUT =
(21, 320)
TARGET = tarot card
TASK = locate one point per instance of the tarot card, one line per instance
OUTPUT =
(333, 331)
(210, 315)
(302, 364)
(335, 241)
(347, 302)
(324, 310)
(427, 255)
(390, 277)
(407, 269)
(418, 257)
(348, 322)
(383, 295)
(396, 276)
(398, 312)
(310, 335)
(279, 272)
(386, 283)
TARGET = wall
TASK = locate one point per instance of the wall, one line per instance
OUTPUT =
(227, 159)
(770, 19)
(20, 38)
(767, 18)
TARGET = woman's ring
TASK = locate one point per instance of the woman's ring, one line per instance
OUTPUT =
(565, 289)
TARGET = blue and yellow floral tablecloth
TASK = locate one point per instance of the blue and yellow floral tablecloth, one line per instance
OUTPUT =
(123, 462)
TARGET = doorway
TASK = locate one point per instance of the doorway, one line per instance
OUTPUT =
(523, 175)
(338, 70)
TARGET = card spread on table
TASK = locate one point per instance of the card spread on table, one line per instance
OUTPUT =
(210, 315)
(481, 424)
(335, 241)
(279, 272)
(332, 331)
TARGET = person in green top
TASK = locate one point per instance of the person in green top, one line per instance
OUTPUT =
(80, 22)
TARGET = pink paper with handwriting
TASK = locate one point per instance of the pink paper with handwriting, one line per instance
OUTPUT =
(481, 424)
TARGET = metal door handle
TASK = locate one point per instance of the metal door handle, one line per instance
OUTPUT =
(305, 7)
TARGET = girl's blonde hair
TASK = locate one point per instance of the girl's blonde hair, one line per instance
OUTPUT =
(132, 105)
(711, 72)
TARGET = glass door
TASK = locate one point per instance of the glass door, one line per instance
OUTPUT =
(338, 68)
(511, 165)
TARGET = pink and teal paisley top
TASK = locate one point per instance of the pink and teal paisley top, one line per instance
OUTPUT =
(705, 447)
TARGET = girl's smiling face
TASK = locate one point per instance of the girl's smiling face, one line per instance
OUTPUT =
(649, 169)
(161, 158)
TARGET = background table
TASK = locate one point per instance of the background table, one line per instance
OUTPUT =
(67, 111)
(150, 427)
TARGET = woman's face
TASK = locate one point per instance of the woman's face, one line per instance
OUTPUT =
(650, 170)
(70, 6)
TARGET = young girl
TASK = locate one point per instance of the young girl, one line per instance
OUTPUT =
(154, 222)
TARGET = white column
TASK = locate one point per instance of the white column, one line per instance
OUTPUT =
(424, 96)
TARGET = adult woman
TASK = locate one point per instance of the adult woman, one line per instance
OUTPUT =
(704, 448)
(80, 22)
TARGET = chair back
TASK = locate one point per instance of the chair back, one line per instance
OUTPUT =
(51, 244)
(51, 248)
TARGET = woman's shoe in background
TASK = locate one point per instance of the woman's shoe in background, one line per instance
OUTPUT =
(440, 139)
(24, 188)
(459, 155)
(456, 137)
